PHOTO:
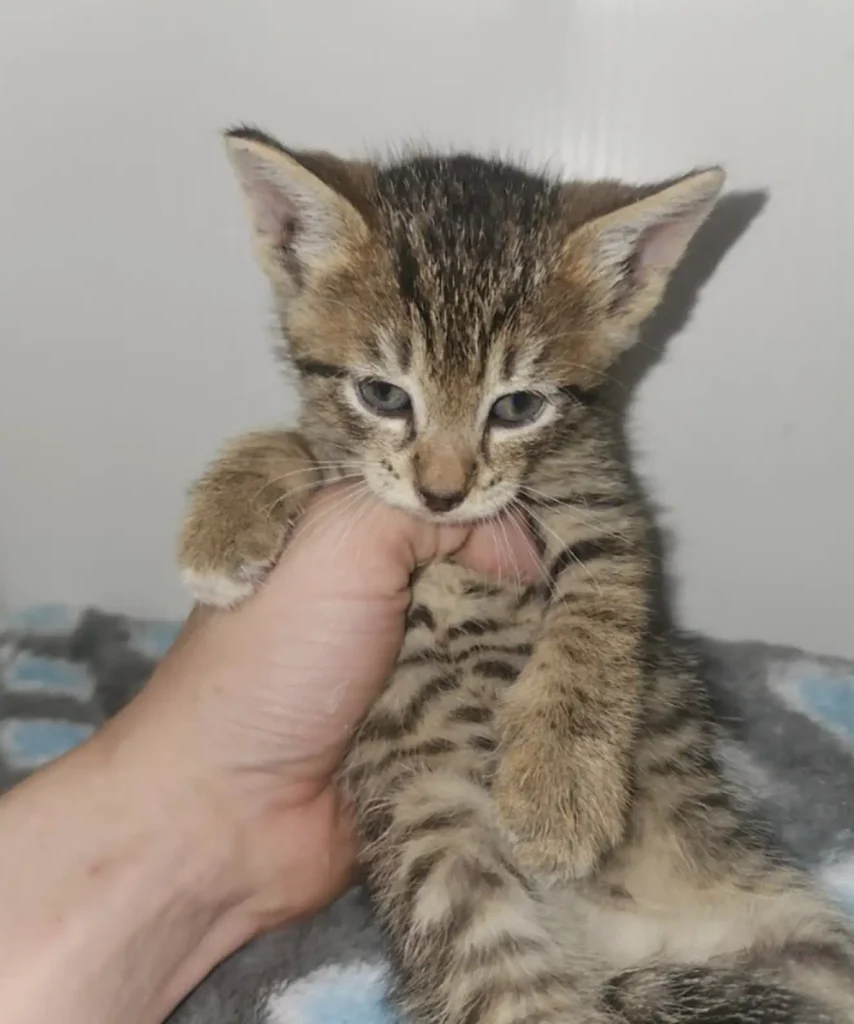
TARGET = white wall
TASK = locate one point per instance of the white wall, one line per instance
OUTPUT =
(134, 329)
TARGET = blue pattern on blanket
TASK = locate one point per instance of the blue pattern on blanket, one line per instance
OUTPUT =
(31, 742)
(32, 674)
(788, 721)
(334, 994)
(49, 689)
(830, 699)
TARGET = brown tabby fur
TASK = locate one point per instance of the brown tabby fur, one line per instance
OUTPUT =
(547, 834)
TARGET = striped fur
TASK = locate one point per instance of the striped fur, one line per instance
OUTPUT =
(547, 835)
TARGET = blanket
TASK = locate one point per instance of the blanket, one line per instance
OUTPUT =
(788, 744)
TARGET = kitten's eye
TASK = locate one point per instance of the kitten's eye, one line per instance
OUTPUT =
(383, 398)
(516, 409)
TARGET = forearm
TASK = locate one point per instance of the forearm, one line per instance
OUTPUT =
(568, 723)
(596, 623)
(117, 894)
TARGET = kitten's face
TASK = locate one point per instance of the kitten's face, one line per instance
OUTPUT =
(449, 317)
(455, 448)
(451, 436)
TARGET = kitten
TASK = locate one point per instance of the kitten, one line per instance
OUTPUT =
(547, 834)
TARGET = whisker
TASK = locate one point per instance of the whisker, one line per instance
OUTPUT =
(368, 509)
(356, 508)
(581, 516)
(342, 502)
(292, 491)
(497, 550)
(515, 572)
(544, 525)
(519, 513)
(276, 480)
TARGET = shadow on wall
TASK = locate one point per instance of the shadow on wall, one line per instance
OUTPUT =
(732, 216)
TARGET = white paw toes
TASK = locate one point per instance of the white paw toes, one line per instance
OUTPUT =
(219, 590)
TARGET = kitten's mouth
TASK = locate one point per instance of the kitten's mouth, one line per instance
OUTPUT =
(457, 516)
(460, 514)
(453, 517)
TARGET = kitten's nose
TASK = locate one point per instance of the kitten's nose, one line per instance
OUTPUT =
(441, 501)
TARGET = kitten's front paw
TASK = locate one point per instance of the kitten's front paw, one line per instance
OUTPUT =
(220, 589)
(240, 514)
(224, 561)
(561, 796)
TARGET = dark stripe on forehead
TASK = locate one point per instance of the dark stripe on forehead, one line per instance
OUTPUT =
(372, 350)
(408, 281)
(511, 357)
(403, 347)
(313, 368)
(503, 313)
(468, 236)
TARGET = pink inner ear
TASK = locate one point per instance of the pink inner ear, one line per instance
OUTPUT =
(662, 244)
(274, 213)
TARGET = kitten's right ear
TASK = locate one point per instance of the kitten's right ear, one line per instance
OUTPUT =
(301, 224)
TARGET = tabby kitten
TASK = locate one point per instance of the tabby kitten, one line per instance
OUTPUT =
(547, 835)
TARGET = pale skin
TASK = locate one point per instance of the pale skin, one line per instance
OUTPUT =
(207, 811)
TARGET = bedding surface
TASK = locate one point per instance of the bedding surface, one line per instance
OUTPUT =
(788, 744)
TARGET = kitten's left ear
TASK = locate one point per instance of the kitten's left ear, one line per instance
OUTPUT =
(628, 255)
(303, 206)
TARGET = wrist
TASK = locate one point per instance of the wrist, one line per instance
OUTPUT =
(260, 844)
(122, 892)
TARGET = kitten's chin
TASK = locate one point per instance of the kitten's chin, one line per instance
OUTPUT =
(463, 516)
(456, 517)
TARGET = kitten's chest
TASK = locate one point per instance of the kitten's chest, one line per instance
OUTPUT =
(459, 612)
(466, 642)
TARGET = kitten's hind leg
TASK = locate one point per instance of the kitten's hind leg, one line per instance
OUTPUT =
(688, 994)
(819, 963)
(464, 924)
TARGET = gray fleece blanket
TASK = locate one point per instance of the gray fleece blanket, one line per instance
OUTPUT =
(788, 720)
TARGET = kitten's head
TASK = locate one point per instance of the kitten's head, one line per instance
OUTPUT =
(449, 316)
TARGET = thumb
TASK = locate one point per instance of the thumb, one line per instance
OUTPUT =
(363, 547)
(360, 545)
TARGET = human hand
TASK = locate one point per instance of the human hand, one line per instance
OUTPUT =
(206, 811)
(258, 704)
